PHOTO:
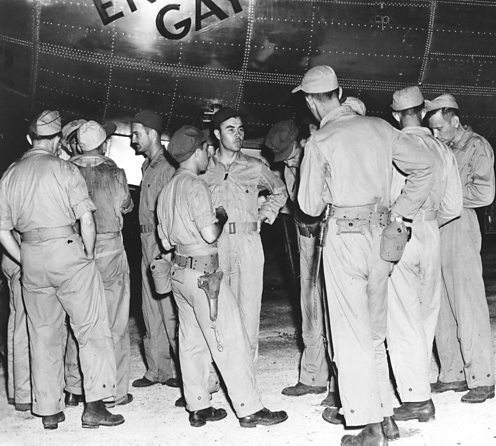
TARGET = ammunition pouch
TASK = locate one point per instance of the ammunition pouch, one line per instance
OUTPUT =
(161, 274)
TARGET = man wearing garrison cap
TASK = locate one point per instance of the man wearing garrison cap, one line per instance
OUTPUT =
(41, 197)
(235, 181)
(107, 185)
(348, 163)
(414, 288)
(463, 336)
(189, 224)
(159, 315)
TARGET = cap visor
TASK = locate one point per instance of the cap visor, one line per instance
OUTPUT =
(298, 88)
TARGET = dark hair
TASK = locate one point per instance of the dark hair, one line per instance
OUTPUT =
(325, 95)
(447, 112)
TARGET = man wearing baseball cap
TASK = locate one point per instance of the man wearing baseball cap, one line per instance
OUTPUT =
(286, 141)
(414, 288)
(463, 336)
(41, 197)
(107, 185)
(159, 315)
(189, 224)
(235, 181)
(348, 163)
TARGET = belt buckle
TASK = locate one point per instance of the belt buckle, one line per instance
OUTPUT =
(232, 228)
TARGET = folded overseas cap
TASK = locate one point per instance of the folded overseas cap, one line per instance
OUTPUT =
(281, 138)
(319, 79)
(90, 136)
(185, 141)
(443, 101)
(48, 123)
(356, 105)
(149, 119)
(407, 98)
(71, 127)
(222, 115)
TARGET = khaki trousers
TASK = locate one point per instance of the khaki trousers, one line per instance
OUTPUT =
(414, 294)
(356, 285)
(112, 263)
(198, 345)
(241, 258)
(463, 336)
(18, 368)
(159, 317)
(58, 280)
(314, 370)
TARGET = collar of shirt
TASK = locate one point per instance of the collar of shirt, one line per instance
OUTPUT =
(238, 159)
(89, 160)
(416, 130)
(183, 171)
(335, 114)
(158, 157)
(37, 151)
(460, 143)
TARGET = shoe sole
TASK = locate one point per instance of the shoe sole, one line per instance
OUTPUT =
(491, 396)
(421, 418)
(262, 423)
(91, 425)
(202, 423)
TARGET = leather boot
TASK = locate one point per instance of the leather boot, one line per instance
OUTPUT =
(200, 417)
(331, 400)
(95, 414)
(478, 394)
(265, 417)
(371, 435)
(390, 428)
(456, 386)
(72, 400)
(301, 389)
(332, 415)
(423, 411)
(52, 421)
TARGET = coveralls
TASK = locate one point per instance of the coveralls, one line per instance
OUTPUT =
(184, 208)
(18, 368)
(348, 162)
(42, 196)
(241, 256)
(414, 288)
(108, 188)
(158, 312)
(314, 370)
(463, 335)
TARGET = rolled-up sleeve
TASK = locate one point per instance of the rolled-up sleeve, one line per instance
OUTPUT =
(479, 189)
(277, 194)
(79, 199)
(418, 165)
(201, 208)
(313, 190)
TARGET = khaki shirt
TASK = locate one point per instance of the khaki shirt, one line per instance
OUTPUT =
(349, 162)
(475, 159)
(42, 191)
(107, 187)
(185, 207)
(157, 172)
(445, 196)
(236, 189)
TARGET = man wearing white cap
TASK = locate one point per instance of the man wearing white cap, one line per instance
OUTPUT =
(414, 288)
(348, 163)
(107, 185)
(463, 336)
(42, 196)
(159, 315)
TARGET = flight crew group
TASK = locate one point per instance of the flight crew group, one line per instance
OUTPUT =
(203, 220)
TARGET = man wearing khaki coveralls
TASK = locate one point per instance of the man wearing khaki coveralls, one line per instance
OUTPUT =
(463, 336)
(235, 181)
(414, 288)
(158, 311)
(107, 186)
(188, 223)
(348, 163)
(42, 196)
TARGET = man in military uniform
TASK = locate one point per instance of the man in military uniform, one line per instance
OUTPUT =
(107, 186)
(414, 288)
(284, 140)
(235, 181)
(463, 336)
(18, 367)
(42, 196)
(210, 325)
(158, 311)
(348, 163)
